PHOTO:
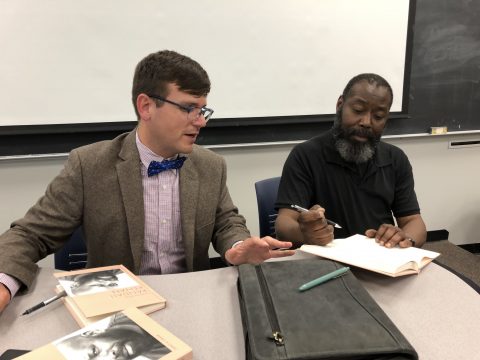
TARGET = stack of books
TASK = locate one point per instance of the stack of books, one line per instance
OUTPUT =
(96, 293)
(110, 305)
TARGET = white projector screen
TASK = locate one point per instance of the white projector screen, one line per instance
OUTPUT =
(65, 61)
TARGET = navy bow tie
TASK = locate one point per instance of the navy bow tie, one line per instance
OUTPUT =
(156, 167)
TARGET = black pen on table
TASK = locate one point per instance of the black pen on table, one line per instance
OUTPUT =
(301, 209)
(45, 303)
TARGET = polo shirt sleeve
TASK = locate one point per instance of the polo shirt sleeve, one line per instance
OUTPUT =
(405, 202)
(295, 184)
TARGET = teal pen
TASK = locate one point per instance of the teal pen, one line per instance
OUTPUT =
(324, 278)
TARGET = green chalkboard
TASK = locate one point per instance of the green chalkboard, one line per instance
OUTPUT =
(445, 70)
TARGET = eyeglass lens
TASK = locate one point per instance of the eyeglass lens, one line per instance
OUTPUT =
(195, 113)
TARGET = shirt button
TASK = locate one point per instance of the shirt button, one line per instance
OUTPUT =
(164, 221)
(164, 187)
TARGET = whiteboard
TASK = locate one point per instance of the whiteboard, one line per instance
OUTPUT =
(65, 61)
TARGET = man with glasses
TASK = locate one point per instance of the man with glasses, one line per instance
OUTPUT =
(150, 199)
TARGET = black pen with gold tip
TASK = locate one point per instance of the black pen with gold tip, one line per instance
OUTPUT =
(45, 303)
(301, 209)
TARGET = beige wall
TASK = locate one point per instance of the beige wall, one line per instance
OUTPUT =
(446, 182)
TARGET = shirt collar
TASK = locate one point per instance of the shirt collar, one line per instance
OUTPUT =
(147, 155)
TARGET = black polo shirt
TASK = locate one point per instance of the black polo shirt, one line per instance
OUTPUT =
(356, 197)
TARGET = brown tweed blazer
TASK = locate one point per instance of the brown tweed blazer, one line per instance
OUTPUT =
(101, 189)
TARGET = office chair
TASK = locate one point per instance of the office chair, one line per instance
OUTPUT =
(266, 191)
(73, 255)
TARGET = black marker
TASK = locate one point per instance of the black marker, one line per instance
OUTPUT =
(44, 303)
(301, 209)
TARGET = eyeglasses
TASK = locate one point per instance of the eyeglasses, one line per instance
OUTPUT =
(193, 112)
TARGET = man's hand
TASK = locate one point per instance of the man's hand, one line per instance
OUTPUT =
(389, 236)
(255, 250)
(314, 226)
(4, 297)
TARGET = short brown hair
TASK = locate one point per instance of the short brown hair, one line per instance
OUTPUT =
(156, 70)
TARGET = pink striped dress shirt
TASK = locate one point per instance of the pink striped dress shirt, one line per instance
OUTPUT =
(164, 251)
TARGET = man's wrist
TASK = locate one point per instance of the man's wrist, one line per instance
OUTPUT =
(6, 287)
(10, 283)
(231, 256)
(236, 244)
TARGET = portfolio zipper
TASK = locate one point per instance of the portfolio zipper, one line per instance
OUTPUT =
(276, 335)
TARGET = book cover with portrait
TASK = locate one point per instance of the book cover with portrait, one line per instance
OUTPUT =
(95, 293)
(129, 334)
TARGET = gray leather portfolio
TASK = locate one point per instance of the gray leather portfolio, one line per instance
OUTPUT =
(335, 320)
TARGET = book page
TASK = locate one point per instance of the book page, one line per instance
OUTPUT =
(358, 250)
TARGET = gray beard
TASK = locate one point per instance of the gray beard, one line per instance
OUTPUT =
(354, 152)
(350, 150)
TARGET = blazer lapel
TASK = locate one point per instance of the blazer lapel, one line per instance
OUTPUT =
(189, 188)
(130, 179)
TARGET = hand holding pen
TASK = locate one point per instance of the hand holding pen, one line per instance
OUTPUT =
(301, 209)
(314, 226)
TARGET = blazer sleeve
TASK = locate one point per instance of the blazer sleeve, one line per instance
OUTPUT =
(230, 226)
(46, 226)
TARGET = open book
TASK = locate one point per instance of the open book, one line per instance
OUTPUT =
(93, 294)
(363, 252)
(129, 334)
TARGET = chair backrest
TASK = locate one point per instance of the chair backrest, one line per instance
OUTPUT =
(73, 255)
(266, 191)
